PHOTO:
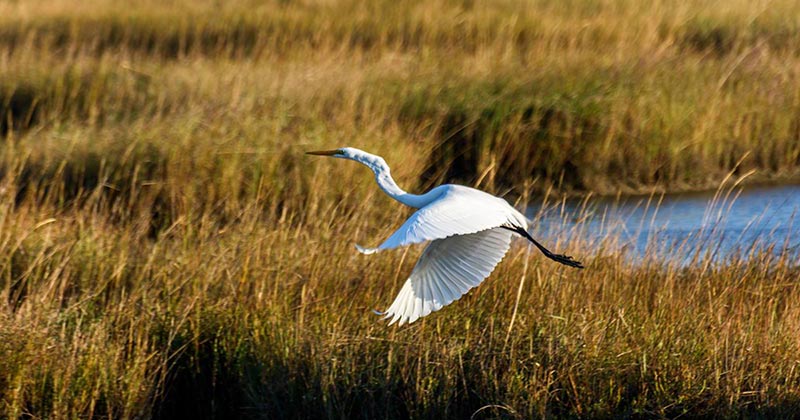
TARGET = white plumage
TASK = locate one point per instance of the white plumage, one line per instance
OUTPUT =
(447, 269)
(469, 233)
(454, 210)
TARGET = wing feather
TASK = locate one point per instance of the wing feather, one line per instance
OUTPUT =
(453, 285)
(457, 211)
(447, 269)
(441, 292)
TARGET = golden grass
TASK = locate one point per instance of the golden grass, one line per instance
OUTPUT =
(166, 248)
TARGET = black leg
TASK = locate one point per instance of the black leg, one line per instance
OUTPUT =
(563, 259)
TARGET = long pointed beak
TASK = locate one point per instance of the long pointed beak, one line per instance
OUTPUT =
(323, 152)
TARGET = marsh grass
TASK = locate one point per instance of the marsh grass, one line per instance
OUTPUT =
(252, 319)
(166, 248)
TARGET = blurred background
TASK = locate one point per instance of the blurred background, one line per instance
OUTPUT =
(166, 248)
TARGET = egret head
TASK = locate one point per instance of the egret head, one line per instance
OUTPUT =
(342, 152)
(358, 155)
(334, 153)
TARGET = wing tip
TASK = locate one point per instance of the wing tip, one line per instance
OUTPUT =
(366, 251)
(394, 317)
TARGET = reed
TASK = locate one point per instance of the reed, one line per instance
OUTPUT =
(166, 248)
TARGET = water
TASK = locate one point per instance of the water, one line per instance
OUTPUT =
(679, 227)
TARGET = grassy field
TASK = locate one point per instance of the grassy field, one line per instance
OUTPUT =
(166, 248)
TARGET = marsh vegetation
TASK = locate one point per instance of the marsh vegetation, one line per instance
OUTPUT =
(166, 247)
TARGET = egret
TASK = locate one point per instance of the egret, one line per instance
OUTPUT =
(469, 232)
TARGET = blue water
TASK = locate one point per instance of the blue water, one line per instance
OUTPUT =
(679, 227)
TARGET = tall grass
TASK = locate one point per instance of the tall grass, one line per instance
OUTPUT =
(166, 248)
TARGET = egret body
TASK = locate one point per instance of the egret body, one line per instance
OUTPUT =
(469, 231)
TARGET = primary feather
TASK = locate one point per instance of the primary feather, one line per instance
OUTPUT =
(447, 269)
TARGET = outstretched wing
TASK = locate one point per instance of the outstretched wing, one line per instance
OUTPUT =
(459, 211)
(447, 269)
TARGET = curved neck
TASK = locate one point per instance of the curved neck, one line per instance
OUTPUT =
(384, 179)
(387, 184)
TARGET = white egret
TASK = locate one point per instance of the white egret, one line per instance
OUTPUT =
(469, 233)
